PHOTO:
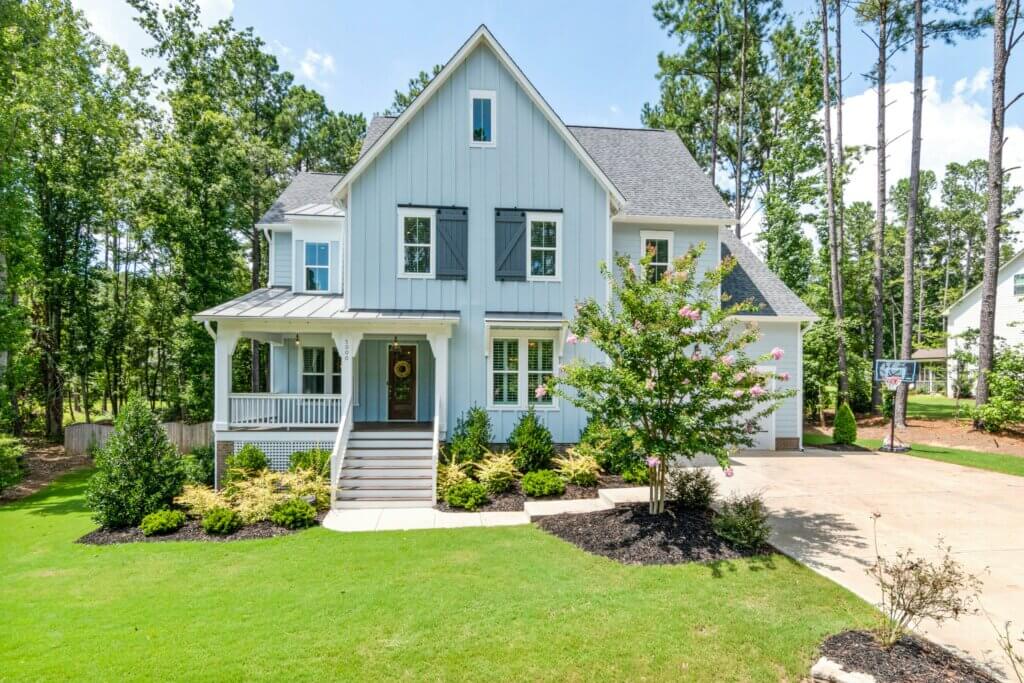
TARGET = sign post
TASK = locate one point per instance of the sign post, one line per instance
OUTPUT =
(894, 373)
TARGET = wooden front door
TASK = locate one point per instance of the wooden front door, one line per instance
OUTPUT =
(401, 382)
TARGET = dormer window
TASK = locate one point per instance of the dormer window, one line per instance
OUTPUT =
(317, 266)
(481, 118)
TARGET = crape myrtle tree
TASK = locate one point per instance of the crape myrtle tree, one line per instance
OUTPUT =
(675, 375)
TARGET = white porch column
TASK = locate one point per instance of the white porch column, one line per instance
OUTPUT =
(224, 347)
(347, 344)
(439, 347)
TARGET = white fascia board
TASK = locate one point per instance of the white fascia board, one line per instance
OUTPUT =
(775, 318)
(481, 36)
(672, 220)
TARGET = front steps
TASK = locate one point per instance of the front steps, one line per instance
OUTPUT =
(387, 469)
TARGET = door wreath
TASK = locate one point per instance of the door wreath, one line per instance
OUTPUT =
(402, 369)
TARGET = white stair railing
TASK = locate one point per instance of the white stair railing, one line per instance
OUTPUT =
(435, 449)
(340, 446)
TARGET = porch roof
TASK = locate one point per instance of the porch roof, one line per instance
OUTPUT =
(281, 303)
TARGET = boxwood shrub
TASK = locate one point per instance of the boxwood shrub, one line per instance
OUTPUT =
(467, 494)
(542, 483)
(531, 442)
(221, 521)
(293, 513)
(162, 522)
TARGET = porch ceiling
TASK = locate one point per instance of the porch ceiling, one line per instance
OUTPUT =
(281, 303)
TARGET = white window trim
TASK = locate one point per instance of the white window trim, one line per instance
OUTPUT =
(667, 235)
(484, 95)
(306, 266)
(417, 212)
(548, 217)
(523, 337)
(326, 374)
(1014, 283)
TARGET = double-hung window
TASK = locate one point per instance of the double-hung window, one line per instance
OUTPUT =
(540, 355)
(318, 266)
(1018, 285)
(658, 246)
(521, 361)
(482, 118)
(416, 253)
(544, 255)
(313, 370)
(505, 365)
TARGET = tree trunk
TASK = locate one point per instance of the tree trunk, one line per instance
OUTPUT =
(907, 331)
(833, 246)
(840, 152)
(994, 213)
(739, 120)
(877, 313)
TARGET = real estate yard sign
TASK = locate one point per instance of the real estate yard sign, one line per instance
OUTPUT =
(894, 373)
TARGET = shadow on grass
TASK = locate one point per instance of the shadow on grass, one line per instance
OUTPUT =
(817, 539)
(64, 496)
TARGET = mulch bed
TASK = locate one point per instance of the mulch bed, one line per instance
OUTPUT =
(631, 535)
(192, 531)
(910, 660)
(843, 447)
(514, 499)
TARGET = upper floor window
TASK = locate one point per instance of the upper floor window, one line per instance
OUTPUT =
(416, 242)
(544, 256)
(658, 246)
(1018, 285)
(318, 262)
(481, 118)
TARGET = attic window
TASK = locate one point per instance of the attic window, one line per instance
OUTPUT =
(481, 118)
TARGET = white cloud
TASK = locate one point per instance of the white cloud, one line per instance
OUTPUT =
(981, 80)
(114, 22)
(314, 65)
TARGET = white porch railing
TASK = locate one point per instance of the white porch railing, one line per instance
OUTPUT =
(284, 410)
(340, 446)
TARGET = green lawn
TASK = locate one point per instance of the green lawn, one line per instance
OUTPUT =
(472, 604)
(936, 407)
(995, 462)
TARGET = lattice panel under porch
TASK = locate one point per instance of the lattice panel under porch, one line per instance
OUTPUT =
(279, 452)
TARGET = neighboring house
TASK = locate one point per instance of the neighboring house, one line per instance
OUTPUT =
(441, 272)
(965, 316)
(931, 370)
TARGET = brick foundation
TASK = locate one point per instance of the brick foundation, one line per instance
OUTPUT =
(787, 443)
(223, 450)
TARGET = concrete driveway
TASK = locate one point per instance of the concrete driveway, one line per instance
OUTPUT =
(822, 502)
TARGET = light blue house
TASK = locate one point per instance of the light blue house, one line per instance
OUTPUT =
(441, 271)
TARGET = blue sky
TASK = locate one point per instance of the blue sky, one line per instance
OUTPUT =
(594, 62)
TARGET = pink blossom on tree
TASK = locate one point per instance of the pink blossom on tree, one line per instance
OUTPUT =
(777, 353)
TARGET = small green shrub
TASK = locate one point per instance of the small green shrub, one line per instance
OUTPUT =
(692, 487)
(612, 448)
(449, 475)
(531, 441)
(1005, 407)
(541, 483)
(472, 436)
(162, 522)
(247, 462)
(743, 521)
(845, 429)
(199, 466)
(315, 460)
(497, 473)
(137, 472)
(293, 513)
(221, 522)
(11, 453)
(467, 494)
(578, 468)
(637, 473)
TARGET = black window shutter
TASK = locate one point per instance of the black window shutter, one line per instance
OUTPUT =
(452, 244)
(509, 244)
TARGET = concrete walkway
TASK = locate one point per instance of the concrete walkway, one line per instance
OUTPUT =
(822, 502)
(390, 519)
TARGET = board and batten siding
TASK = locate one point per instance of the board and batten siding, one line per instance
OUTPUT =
(372, 380)
(431, 163)
(786, 336)
(626, 241)
(282, 273)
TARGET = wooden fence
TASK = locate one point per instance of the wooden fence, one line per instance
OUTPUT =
(78, 438)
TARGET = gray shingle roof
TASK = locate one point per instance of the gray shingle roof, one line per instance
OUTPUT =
(305, 189)
(753, 282)
(652, 169)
